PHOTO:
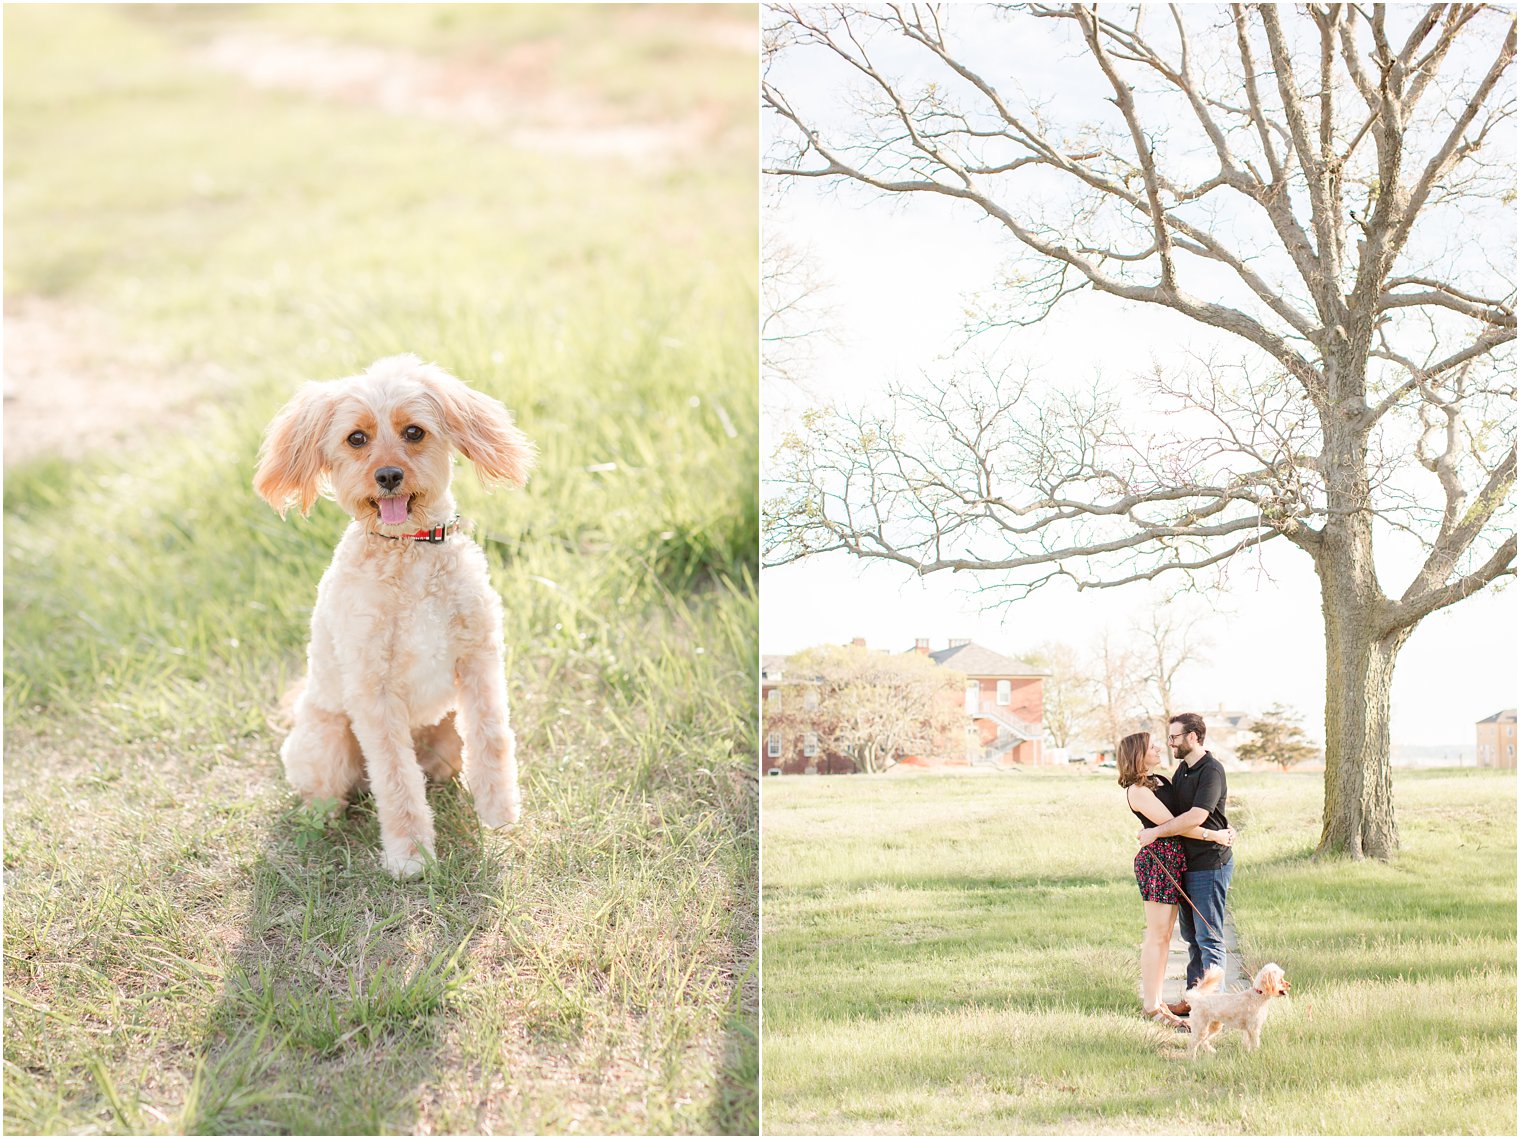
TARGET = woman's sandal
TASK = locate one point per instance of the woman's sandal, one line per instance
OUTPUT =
(1165, 1016)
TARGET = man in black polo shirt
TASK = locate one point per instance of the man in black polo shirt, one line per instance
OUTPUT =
(1198, 788)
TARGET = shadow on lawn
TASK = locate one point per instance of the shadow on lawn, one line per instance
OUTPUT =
(334, 1002)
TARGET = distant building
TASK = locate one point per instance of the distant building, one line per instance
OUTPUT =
(1003, 704)
(793, 752)
(1228, 728)
(1004, 701)
(1496, 740)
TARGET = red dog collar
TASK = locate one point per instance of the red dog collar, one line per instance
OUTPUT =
(434, 536)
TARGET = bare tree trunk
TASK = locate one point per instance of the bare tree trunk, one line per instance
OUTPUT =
(1358, 810)
(868, 759)
(1358, 815)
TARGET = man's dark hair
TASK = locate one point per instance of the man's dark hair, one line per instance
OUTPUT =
(1191, 722)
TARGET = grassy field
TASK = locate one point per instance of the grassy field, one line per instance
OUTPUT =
(186, 949)
(959, 954)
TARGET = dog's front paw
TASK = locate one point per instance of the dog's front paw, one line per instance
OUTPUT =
(498, 808)
(404, 864)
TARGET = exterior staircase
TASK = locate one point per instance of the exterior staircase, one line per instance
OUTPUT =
(1011, 732)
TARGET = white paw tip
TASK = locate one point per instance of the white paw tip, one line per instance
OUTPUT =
(498, 817)
(402, 868)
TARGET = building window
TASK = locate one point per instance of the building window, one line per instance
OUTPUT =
(973, 696)
(810, 744)
(773, 698)
(1005, 693)
(773, 745)
(810, 700)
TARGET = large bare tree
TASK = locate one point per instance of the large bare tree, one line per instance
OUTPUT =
(1325, 193)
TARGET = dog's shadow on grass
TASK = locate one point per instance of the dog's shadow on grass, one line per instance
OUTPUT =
(339, 982)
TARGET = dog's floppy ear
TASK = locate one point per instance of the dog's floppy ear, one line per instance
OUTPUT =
(292, 465)
(481, 428)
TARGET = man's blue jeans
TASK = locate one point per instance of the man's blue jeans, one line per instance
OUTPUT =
(1207, 888)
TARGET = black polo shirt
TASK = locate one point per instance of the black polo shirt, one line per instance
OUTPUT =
(1202, 784)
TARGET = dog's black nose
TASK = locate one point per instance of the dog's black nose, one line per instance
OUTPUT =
(389, 478)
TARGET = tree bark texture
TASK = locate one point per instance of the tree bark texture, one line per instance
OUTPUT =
(1358, 812)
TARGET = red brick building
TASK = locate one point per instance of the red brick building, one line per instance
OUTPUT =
(1004, 701)
(1002, 711)
(790, 751)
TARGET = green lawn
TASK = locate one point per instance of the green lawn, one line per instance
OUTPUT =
(186, 949)
(959, 954)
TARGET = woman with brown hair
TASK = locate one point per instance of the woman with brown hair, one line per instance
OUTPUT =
(1158, 866)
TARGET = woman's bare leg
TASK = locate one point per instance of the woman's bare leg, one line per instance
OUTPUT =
(1159, 921)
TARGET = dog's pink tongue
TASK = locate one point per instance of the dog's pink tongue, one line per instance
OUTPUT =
(393, 510)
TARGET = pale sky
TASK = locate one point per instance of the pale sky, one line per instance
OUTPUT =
(900, 277)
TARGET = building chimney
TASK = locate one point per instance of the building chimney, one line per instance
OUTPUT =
(957, 642)
(858, 643)
(921, 645)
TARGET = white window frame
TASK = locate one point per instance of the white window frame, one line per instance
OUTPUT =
(810, 700)
(973, 697)
(809, 744)
(1004, 693)
(773, 745)
(773, 699)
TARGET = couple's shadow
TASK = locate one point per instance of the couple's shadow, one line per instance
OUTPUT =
(337, 997)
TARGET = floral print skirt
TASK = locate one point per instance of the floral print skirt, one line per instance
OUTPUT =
(1154, 885)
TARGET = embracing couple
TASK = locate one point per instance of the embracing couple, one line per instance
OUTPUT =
(1186, 842)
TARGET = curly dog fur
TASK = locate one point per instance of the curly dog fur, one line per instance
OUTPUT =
(404, 675)
(1212, 1011)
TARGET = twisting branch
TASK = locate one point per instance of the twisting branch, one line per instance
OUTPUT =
(959, 471)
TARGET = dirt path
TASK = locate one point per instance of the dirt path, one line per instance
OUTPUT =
(75, 382)
(511, 95)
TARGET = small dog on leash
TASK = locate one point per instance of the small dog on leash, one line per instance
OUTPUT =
(1212, 1010)
(404, 670)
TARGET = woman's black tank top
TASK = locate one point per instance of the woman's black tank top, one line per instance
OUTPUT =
(1163, 791)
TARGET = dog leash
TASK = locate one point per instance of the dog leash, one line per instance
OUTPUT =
(1183, 892)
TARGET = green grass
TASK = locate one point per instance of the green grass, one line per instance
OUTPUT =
(186, 948)
(960, 955)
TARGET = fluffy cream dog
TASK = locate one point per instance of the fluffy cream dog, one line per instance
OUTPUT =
(406, 632)
(1212, 1011)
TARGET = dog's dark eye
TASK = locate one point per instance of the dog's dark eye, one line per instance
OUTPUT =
(413, 434)
(358, 439)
